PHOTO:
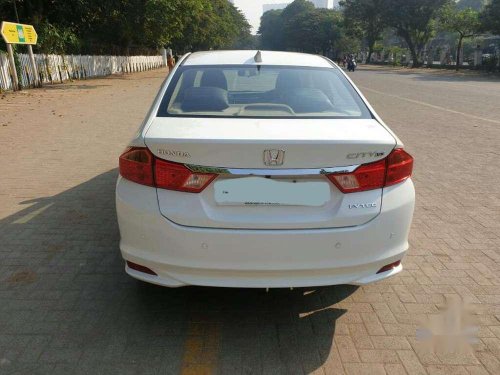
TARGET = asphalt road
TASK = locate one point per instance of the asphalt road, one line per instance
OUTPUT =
(66, 306)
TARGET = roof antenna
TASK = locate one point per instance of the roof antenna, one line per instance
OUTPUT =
(258, 57)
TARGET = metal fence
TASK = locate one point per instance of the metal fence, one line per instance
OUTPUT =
(60, 68)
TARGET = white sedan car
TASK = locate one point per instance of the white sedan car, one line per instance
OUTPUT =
(263, 169)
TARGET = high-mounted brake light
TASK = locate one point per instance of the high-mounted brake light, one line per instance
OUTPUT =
(139, 165)
(395, 168)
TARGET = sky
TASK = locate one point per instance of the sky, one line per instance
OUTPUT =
(253, 10)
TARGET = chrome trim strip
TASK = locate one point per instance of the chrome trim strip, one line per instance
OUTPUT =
(271, 172)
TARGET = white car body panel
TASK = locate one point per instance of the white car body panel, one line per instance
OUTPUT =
(239, 143)
(230, 143)
(260, 258)
(201, 210)
(191, 239)
(247, 58)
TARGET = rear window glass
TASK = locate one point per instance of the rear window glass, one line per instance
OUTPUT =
(261, 91)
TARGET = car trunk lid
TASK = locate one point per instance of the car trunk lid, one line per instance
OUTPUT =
(290, 192)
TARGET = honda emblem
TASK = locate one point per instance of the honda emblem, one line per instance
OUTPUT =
(274, 157)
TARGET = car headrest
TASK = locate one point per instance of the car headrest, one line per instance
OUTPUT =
(288, 80)
(197, 99)
(213, 78)
(308, 100)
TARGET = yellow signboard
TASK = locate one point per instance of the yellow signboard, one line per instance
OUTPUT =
(16, 33)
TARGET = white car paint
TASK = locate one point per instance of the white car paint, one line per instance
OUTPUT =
(183, 255)
(231, 143)
(247, 58)
(191, 239)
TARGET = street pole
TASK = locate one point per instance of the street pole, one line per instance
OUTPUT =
(13, 71)
(36, 80)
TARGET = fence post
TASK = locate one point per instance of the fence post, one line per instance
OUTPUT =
(67, 73)
(47, 69)
(164, 56)
(40, 76)
(13, 71)
(60, 75)
(50, 69)
(26, 70)
(33, 66)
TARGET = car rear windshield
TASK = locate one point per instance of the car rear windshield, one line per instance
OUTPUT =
(261, 92)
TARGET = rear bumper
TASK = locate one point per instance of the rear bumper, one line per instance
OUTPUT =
(182, 255)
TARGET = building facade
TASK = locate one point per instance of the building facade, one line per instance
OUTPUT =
(266, 7)
(320, 3)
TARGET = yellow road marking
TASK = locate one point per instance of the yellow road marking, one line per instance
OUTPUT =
(432, 106)
(201, 349)
(31, 215)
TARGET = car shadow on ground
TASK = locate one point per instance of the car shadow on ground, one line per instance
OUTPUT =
(67, 306)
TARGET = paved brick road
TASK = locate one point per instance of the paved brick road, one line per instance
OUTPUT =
(66, 306)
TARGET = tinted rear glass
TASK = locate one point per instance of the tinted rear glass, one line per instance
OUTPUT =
(265, 91)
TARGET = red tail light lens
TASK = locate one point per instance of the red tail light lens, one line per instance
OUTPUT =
(140, 268)
(136, 164)
(366, 177)
(389, 267)
(139, 165)
(395, 168)
(399, 167)
(174, 176)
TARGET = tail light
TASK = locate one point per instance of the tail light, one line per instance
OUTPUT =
(399, 167)
(389, 267)
(174, 176)
(140, 268)
(395, 168)
(139, 165)
(136, 165)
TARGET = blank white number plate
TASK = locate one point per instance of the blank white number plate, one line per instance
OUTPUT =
(259, 191)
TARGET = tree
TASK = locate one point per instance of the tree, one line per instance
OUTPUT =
(164, 20)
(301, 27)
(364, 18)
(297, 7)
(414, 21)
(490, 17)
(290, 16)
(230, 24)
(346, 44)
(463, 22)
(243, 38)
(132, 26)
(57, 40)
(271, 30)
(314, 31)
(331, 29)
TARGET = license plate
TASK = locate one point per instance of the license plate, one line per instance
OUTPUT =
(258, 191)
